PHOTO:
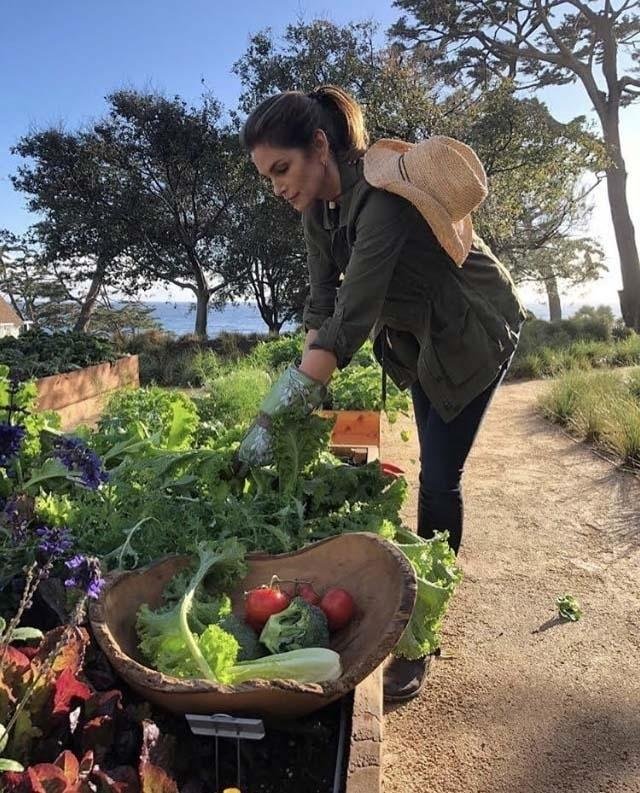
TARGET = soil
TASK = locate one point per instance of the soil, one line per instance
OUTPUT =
(293, 755)
(520, 700)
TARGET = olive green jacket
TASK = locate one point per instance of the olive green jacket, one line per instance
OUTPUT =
(375, 267)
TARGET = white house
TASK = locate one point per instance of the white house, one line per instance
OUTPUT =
(10, 322)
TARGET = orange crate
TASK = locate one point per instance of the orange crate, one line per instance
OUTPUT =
(356, 434)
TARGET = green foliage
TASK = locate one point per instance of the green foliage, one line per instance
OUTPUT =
(568, 607)
(297, 440)
(634, 383)
(277, 354)
(35, 353)
(437, 576)
(170, 416)
(360, 388)
(167, 639)
(600, 407)
(235, 397)
(548, 349)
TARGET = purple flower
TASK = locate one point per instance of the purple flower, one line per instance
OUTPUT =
(54, 541)
(86, 575)
(79, 458)
(11, 437)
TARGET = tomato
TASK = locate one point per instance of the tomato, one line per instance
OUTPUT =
(338, 607)
(308, 593)
(260, 603)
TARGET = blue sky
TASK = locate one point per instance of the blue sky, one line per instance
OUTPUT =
(59, 60)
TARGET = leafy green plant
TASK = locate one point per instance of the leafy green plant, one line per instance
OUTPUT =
(35, 353)
(437, 576)
(170, 416)
(360, 388)
(568, 607)
(167, 637)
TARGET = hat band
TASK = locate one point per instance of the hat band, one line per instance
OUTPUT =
(404, 174)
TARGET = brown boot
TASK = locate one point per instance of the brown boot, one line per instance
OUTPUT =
(403, 679)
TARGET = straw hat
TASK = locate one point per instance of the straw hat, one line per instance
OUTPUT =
(441, 177)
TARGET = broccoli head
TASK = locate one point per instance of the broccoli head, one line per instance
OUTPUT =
(247, 638)
(298, 626)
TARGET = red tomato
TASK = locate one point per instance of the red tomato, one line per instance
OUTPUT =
(261, 603)
(308, 593)
(338, 607)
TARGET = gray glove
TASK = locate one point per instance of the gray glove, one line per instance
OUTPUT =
(293, 389)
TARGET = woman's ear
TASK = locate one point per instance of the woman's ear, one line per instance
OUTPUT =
(320, 144)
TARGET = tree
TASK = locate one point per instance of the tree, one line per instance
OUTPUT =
(266, 255)
(35, 290)
(538, 201)
(84, 208)
(396, 98)
(542, 43)
(184, 167)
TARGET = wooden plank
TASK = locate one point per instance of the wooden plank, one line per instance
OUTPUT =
(60, 390)
(354, 427)
(364, 768)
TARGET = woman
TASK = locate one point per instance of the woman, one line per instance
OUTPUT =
(391, 253)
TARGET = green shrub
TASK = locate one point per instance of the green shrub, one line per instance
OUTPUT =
(169, 361)
(235, 397)
(538, 333)
(633, 382)
(583, 354)
(276, 354)
(600, 407)
(621, 434)
(626, 352)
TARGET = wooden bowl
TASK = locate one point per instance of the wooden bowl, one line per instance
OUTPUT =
(373, 570)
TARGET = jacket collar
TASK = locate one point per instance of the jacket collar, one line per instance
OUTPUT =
(350, 174)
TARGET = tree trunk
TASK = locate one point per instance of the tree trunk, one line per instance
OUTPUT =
(623, 225)
(553, 296)
(274, 331)
(202, 312)
(91, 298)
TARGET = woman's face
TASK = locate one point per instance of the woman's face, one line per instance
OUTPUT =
(297, 176)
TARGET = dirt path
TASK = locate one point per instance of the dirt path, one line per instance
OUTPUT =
(523, 702)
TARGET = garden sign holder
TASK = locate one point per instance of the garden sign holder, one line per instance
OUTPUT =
(221, 725)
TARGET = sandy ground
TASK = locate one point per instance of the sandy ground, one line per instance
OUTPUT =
(521, 701)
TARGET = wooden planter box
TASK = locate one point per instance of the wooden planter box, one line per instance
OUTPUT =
(356, 434)
(79, 396)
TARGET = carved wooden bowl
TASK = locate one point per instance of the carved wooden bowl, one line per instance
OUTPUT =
(373, 570)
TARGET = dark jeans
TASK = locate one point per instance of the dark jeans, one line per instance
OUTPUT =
(443, 452)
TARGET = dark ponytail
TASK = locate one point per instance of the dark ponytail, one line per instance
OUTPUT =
(288, 120)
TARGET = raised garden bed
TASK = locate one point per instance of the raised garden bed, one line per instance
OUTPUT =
(79, 396)
(355, 435)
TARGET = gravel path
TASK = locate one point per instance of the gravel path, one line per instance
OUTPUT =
(520, 701)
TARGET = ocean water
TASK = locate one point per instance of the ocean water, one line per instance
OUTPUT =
(180, 318)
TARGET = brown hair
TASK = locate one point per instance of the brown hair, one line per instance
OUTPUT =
(288, 120)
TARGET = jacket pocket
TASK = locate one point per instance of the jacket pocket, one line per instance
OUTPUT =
(459, 349)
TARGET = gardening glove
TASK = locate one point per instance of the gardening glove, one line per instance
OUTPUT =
(293, 389)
